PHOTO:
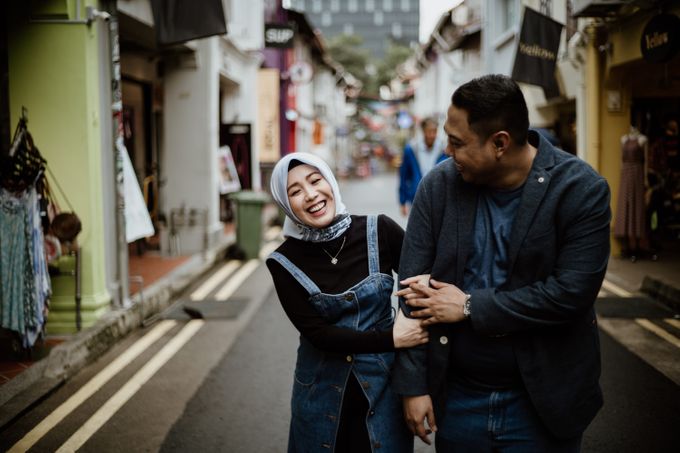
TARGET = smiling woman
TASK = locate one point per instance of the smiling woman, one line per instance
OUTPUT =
(310, 196)
(333, 276)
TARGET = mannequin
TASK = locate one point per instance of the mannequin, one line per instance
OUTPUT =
(630, 225)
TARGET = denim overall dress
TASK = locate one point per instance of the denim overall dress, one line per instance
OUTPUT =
(320, 377)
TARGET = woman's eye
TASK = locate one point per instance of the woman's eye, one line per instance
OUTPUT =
(293, 193)
(316, 181)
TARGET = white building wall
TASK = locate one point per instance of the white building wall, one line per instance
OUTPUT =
(190, 135)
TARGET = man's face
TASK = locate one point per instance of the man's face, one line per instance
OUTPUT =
(475, 160)
(430, 134)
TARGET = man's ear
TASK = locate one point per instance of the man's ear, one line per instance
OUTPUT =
(501, 140)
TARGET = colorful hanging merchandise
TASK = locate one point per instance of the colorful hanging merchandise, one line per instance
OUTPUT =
(24, 279)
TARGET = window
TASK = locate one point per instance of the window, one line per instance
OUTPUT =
(348, 29)
(335, 6)
(316, 6)
(405, 5)
(326, 19)
(370, 6)
(508, 13)
(352, 6)
(396, 30)
(387, 5)
(378, 18)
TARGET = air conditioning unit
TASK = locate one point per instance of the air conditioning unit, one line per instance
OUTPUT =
(597, 8)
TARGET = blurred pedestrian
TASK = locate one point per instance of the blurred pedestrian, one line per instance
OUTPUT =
(333, 276)
(515, 235)
(420, 156)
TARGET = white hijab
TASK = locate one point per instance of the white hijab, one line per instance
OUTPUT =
(292, 226)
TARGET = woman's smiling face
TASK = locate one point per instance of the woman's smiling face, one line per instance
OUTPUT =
(310, 196)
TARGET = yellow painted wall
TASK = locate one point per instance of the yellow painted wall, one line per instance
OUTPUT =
(54, 72)
(624, 71)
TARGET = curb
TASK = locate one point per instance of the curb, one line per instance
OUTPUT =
(662, 291)
(66, 359)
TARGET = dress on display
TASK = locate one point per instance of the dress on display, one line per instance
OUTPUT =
(630, 207)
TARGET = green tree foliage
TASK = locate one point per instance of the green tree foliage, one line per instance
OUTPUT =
(348, 51)
(387, 67)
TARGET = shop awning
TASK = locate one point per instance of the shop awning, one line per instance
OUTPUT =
(178, 21)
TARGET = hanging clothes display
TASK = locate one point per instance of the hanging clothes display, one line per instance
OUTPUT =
(24, 279)
(630, 208)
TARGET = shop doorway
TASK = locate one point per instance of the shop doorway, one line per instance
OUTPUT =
(659, 119)
(140, 135)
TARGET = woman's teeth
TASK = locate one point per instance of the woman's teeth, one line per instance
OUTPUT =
(317, 207)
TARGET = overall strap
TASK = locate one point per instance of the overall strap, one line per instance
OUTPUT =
(372, 240)
(297, 274)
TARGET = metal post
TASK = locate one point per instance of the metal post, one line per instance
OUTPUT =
(118, 149)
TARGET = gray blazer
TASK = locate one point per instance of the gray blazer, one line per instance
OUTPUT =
(558, 255)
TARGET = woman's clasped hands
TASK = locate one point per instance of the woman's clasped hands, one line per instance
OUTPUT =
(432, 301)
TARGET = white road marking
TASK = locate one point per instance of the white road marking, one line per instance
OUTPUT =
(91, 387)
(615, 289)
(237, 279)
(659, 354)
(658, 331)
(217, 278)
(131, 387)
(673, 322)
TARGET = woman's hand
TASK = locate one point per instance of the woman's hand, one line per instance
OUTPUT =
(408, 292)
(408, 332)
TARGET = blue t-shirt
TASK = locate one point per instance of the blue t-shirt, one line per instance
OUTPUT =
(478, 360)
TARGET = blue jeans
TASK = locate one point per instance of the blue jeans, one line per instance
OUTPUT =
(495, 421)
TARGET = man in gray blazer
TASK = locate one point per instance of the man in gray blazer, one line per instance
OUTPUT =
(514, 234)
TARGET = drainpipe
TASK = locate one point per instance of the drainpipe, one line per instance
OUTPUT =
(593, 94)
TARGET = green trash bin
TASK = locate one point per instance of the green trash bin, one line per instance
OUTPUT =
(249, 221)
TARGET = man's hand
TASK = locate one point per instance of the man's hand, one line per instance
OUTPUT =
(404, 210)
(416, 410)
(443, 302)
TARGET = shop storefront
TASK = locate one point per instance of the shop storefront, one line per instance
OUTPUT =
(637, 57)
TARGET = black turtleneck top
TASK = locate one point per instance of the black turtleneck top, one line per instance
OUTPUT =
(352, 267)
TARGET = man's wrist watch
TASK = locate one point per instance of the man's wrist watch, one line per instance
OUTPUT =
(466, 306)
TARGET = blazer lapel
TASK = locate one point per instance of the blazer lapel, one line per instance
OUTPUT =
(466, 206)
(535, 189)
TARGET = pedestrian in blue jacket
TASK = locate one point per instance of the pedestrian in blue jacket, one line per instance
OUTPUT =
(420, 156)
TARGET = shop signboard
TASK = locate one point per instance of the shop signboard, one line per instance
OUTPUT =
(660, 40)
(278, 36)
(229, 181)
(268, 100)
(539, 41)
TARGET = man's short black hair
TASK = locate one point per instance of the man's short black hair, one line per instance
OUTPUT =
(494, 103)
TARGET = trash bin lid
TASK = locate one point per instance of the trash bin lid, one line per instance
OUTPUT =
(250, 196)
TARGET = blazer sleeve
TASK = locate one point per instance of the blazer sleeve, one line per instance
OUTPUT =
(570, 290)
(417, 254)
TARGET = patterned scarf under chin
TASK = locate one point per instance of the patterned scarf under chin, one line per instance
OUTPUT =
(340, 224)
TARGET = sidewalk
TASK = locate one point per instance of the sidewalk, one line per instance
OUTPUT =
(658, 279)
